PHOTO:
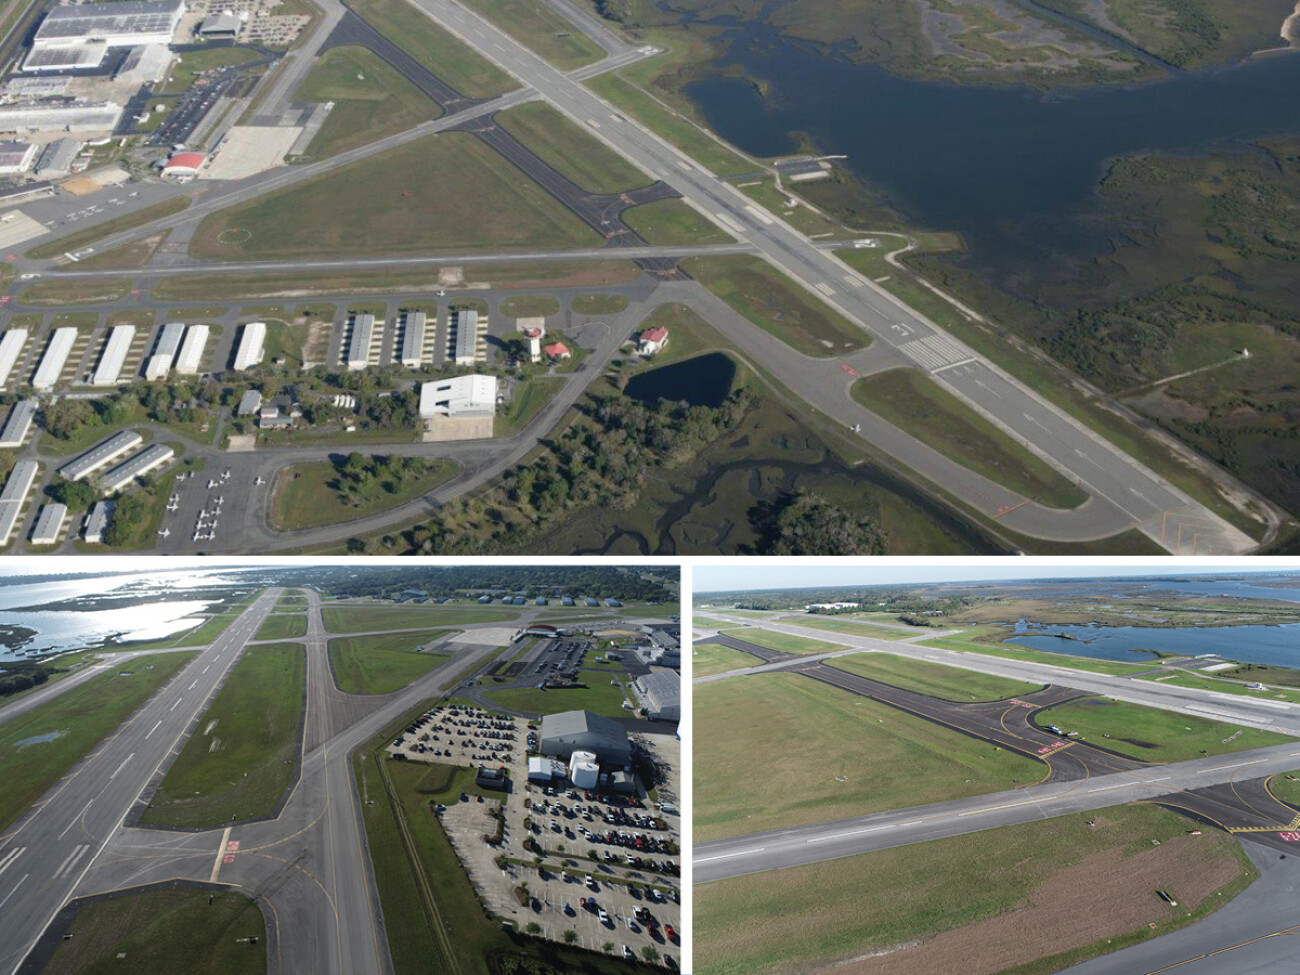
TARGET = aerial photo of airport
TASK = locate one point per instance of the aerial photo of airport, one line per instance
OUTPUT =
(628, 277)
(332, 768)
(986, 768)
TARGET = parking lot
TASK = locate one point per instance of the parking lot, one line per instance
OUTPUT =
(588, 880)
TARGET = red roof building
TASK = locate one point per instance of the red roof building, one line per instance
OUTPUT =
(652, 340)
(184, 164)
(557, 350)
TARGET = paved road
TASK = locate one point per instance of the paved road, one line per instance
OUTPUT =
(1155, 507)
(45, 855)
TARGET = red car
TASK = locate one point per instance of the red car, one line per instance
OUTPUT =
(669, 930)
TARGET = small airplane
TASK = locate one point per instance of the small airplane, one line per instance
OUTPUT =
(211, 484)
(210, 536)
(856, 428)
(174, 499)
(220, 501)
(225, 475)
(196, 536)
(442, 292)
(173, 506)
(165, 533)
(260, 480)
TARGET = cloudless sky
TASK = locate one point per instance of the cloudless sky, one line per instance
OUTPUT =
(781, 574)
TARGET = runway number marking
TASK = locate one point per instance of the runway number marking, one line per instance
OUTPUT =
(1054, 746)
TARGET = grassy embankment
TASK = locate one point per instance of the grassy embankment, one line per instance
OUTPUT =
(921, 407)
(384, 662)
(933, 679)
(80, 719)
(241, 758)
(881, 758)
(307, 495)
(708, 659)
(983, 897)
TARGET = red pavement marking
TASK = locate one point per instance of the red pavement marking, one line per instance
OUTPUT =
(228, 858)
(232, 846)
(1290, 837)
(848, 368)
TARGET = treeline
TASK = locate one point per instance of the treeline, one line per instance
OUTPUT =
(22, 680)
(801, 523)
(648, 584)
(603, 459)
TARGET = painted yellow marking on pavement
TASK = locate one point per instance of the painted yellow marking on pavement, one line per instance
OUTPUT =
(221, 851)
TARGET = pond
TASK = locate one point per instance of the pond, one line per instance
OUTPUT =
(702, 381)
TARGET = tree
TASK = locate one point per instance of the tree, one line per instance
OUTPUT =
(66, 417)
(607, 947)
(650, 953)
(570, 936)
(75, 494)
(532, 927)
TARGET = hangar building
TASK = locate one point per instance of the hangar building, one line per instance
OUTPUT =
(570, 731)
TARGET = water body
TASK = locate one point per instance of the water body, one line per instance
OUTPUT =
(702, 381)
(1013, 169)
(1275, 645)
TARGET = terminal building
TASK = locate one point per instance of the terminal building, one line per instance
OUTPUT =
(569, 731)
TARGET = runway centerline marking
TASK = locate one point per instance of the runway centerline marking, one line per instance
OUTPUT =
(14, 891)
(122, 766)
(724, 856)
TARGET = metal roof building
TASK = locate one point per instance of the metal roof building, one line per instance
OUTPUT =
(16, 157)
(60, 117)
(10, 346)
(97, 521)
(250, 345)
(13, 496)
(413, 339)
(459, 396)
(49, 524)
(18, 424)
(104, 452)
(190, 359)
(363, 330)
(569, 731)
(149, 459)
(54, 359)
(124, 24)
(114, 355)
(169, 343)
(249, 403)
(660, 693)
(57, 158)
(465, 322)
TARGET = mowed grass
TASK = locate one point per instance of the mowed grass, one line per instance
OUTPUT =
(571, 151)
(1286, 786)
(965, 643)
(283, 626)
(711, 623)
(373, 619)
(933, 679)
(442, 53)
(1153, 735)
(1184, 679)
(927, 411)
(711, 658)
(777, 304)
(384, 662)
(601, 697)
(827, 754)
(541, 29)
(444, 192)
(81, 238)
(240, 759)
(371, 100)
(783, 641)
(670, 222)
(165, 931)
(81, 718)
(856, 628)
(784, 920)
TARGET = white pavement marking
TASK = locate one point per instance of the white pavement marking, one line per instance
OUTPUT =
(122, 766)
(65, 869)
(723, 856)
(157, 724)
(10, 857)
(14, 891)
(176, 705)
(221, 852)
(75, 819)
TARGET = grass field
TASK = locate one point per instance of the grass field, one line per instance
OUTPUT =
(966, 643)
(240, 759)
(368, 619)
(777, 304)
(81, 718)
(283, 626)
(933, 679)
(783, 641)
(673, 222)
(827, 754)
(930, 413)
(710, 658)
(1153, 735)
(444, 192)
(58, 291)
(1286, 787)
(382, 663)
(601, 697)
(431, 911)
(304, 495)
(710, 622)
(538, 27)
(443, 54)
(371, 100)
(760, 924)
(165, 931)
(570, 150)
(81, 238)
(598, 304)
(292, 599)
(856, 628)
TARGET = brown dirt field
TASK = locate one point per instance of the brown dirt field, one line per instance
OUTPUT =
(1103, 896)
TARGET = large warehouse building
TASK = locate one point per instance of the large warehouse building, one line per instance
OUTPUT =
(660, 693)
(71, 34)
(570, 731)
(459, 396)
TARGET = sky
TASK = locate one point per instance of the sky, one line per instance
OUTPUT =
(803, 573)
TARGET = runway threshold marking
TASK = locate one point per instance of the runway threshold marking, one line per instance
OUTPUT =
(221, 850)
(65, 868)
